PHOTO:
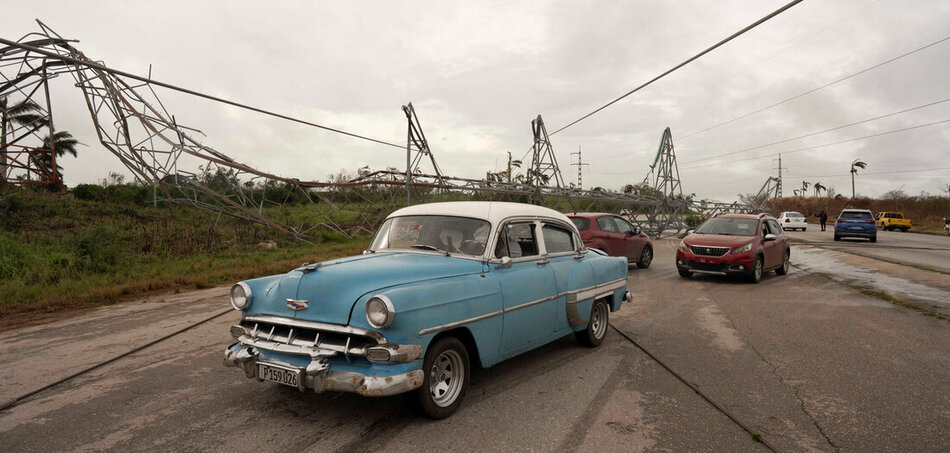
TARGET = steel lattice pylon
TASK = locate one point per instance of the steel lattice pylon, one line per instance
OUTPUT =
(134, 125)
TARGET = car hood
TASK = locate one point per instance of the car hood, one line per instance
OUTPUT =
(720, 240)
(333, 287)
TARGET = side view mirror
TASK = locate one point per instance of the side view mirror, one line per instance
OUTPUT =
(636, 230)
(505, 263)
(770, 237)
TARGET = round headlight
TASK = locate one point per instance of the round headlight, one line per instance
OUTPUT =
(240, 296)
(380, 312)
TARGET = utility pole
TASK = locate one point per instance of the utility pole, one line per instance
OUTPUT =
(580, 165)
(778, 182)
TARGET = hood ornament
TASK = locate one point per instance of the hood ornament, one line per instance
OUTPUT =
(294, 304)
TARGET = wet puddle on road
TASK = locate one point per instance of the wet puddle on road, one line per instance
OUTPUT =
(823, 262)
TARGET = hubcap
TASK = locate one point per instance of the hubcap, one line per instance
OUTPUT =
(785, 263)
(647, 256)
(598, 320)
(445, 378)
(758, 269)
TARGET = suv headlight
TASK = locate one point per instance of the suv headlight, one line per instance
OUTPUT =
(743, 249)
(380, 312)
(240, 296)
(683, 245)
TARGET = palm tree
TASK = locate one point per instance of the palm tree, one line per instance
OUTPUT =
(818, 188)
(23, 113)
(61, 142)
(805, 185)
(858, 163)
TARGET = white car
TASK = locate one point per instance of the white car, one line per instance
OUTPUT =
(791, 220)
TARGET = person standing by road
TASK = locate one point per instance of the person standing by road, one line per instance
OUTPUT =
(822, 218)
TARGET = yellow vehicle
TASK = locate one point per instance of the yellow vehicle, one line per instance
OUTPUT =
(892, 221)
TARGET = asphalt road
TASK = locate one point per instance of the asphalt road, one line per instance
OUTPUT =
(806, 362)
(924, 250)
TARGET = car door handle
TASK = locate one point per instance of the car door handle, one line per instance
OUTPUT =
(541, 262)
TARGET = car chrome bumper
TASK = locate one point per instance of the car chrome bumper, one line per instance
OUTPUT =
(319, 377)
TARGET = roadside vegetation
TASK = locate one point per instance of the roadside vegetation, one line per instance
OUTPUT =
(99, 244)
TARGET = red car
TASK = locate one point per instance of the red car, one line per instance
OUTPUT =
(730, 244)
(615, 236)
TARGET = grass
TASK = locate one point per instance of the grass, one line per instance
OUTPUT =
(903, 303)
(59, 253)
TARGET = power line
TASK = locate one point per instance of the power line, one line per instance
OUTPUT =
(818, 133)
(710, 49)
(816, 89)
(844, 175)
(109, 70)
(823, 145)
(684, 137)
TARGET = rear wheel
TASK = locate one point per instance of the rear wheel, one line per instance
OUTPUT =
(685, 273)
(784, 268)
(874, 238)
(837, 238)
(446, 373)
(646, 257)
(596, 329)
(757, 270)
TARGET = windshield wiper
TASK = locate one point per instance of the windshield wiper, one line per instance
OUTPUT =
(429, 247)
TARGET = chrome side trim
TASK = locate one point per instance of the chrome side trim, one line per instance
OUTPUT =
(573, 297)
(452, 325)
(595, 292)
(316, 325)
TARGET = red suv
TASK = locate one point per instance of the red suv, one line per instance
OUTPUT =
(731, 244)
(614, 236)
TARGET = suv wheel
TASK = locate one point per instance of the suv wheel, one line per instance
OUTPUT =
(837, 238)
(757, 270)
(784, 268)
(874, 238)
(685, 273)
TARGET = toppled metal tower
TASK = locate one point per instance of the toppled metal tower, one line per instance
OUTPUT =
(134, 125)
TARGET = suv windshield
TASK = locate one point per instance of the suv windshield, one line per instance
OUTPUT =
(729, 227)
(438, 233)
(856, 215)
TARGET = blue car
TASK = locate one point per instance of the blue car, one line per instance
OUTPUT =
(442, 286)
(856, 223)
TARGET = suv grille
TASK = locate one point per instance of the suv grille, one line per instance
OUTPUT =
(706, 250)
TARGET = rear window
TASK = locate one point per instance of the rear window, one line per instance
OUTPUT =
(861, 215)
(581, 223)
(794, 214)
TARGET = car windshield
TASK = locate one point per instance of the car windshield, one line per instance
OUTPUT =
(461, 235)
(856, 215)
(729, 227)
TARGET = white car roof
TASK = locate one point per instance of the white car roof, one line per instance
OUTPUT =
(492, 211)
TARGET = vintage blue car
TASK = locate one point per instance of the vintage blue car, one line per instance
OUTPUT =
(442, 286)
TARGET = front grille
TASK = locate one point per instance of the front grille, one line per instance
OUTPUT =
(706, 250)
(293, 333)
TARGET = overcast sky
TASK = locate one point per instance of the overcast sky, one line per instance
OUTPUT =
(479, 72)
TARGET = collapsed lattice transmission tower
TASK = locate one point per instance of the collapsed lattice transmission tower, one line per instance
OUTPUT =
(134, 125)
(669, 211)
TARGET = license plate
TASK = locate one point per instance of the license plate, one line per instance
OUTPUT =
(278, 375)
(855, 228)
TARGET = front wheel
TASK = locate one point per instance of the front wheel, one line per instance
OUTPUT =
(784, 269)
(757, 269)
(646, 257)
(596, 329)
(446, 370)
(874, 238)
(837, 238)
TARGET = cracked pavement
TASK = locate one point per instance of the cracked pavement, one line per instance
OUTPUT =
(808, 363)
